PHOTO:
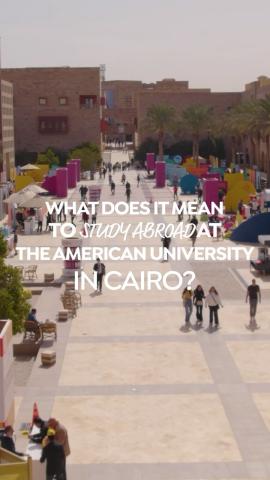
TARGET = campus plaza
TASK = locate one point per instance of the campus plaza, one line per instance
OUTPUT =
(141, 397)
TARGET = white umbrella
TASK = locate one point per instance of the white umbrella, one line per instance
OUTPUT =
(35, 202)
(29, 166)
(34, 188)
(20, 197)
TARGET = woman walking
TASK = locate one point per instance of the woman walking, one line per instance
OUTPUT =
(187, 302)
(213, 301)
(198, 297)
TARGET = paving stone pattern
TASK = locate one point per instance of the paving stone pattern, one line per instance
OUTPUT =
(141, 397)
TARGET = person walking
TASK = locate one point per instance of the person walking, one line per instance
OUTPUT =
(112, 188)
(179, 215)
(53, 453)
(15, 241)
(166, 241)
(138, 180)
(100, 270)
(123, 179)
(198, 297)
(194, 226)
(213, 301)
(48, 221)
(175, 192)
(128, 193)
(253, 296)
(187, 303)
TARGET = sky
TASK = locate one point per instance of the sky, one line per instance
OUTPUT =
(217, 44)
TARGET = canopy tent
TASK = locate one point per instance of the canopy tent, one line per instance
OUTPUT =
(29, 166)
(35, 202)
(20, 197)
(34, 188)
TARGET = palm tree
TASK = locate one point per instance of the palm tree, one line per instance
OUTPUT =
(160, 119)
(252, 120)
(234, 124)
(264, 118)
(197, 120)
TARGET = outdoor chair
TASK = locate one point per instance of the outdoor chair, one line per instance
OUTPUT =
(32, 331)
(30, 272)
(48, 329)
(69, 303)
(76, 296)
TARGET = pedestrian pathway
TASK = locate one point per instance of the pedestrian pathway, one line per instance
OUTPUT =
(143, 399)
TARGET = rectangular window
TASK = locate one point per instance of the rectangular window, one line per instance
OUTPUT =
(88, 101)
(43, 101)
(53, 125)
(63, 101)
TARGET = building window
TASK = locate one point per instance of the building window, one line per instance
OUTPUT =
(43, 101)
(53, 125)
(88, 101)
(63, 101)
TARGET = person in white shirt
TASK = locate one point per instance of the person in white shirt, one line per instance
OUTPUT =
(213, 301)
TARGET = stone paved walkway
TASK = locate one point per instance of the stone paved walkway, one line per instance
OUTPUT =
(143, 399)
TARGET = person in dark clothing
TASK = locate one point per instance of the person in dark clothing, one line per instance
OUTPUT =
(198, 297)
(194, 223)
(32, 315)
(48, 221)
(254, 296)
(7, 441)
(166, 241)
(179, 215)
(128, 193)
(15, 241)
(100, 270)
(113, 188)
(43, 428)
(54, 454)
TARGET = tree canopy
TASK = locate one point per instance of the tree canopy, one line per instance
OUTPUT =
(48, 157)
(14, 298)
(90, 156)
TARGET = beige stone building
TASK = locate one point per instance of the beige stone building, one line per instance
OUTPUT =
(7, 148)
(180, 96)
(55, 107)
(120, 109)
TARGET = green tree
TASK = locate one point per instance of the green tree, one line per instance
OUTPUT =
(160, 119)
(90, 156)
(48, 157)
(197, 121)
(3, 247)
(14, 298)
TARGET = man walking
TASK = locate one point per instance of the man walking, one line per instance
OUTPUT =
(100, 270)
(253, 295)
